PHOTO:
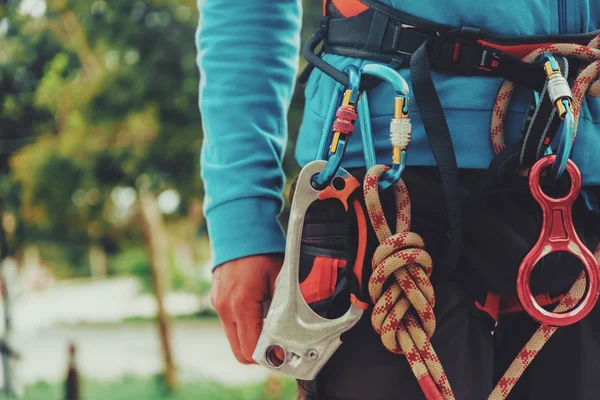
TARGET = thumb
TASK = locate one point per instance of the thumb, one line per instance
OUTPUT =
(272, 279)
(272, 275)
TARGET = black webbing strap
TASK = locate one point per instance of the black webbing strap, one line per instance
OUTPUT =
(388, 35)
(314, 58)
(503, 164)
(459, 51)
(442, 148)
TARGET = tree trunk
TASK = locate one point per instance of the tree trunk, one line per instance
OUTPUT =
(196, 219)
(156, 245)
(98, 262)
(8, 273)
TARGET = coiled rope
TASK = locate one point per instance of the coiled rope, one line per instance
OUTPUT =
(400, 287)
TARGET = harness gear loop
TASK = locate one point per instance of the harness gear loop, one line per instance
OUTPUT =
(401, 290)
(400, 126)
(343, 127)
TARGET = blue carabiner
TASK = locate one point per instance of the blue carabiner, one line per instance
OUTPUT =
(339, 140)
(561, 96)
(565, 144)
(401, 111)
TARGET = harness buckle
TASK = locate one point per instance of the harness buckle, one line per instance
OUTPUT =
(461, 51)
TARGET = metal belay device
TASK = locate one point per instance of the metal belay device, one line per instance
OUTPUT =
(558, 232)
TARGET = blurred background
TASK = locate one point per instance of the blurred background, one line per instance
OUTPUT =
(105, 263)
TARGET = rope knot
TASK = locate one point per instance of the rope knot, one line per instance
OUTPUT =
(401, 290)
(399, 285)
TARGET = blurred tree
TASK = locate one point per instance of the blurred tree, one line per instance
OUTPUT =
(116, 98)
(97, 100)
(118, 93)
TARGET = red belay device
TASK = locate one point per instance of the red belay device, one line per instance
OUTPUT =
(321, 275)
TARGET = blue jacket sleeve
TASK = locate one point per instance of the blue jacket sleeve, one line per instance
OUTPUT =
(248, 61)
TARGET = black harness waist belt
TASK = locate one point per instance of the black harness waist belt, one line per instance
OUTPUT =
(386, 35)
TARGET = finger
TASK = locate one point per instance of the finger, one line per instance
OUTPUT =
(231, 332)
(249, 325)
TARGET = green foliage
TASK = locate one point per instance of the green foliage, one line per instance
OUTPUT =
(66, 262)
(135, 389)
(109, 89)
(133, 261)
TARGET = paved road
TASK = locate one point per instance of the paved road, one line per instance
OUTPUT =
(112, 352)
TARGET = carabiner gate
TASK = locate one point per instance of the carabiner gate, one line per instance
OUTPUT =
(562, 98)
(400, 127)
(352, 109)
(342, 127)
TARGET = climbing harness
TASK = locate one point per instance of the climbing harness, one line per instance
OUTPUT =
(384, 34)
(399, 285)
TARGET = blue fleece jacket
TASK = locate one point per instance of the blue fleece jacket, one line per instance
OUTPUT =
(248, 58)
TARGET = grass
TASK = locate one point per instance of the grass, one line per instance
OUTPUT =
(207, 315)
(131, 388)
